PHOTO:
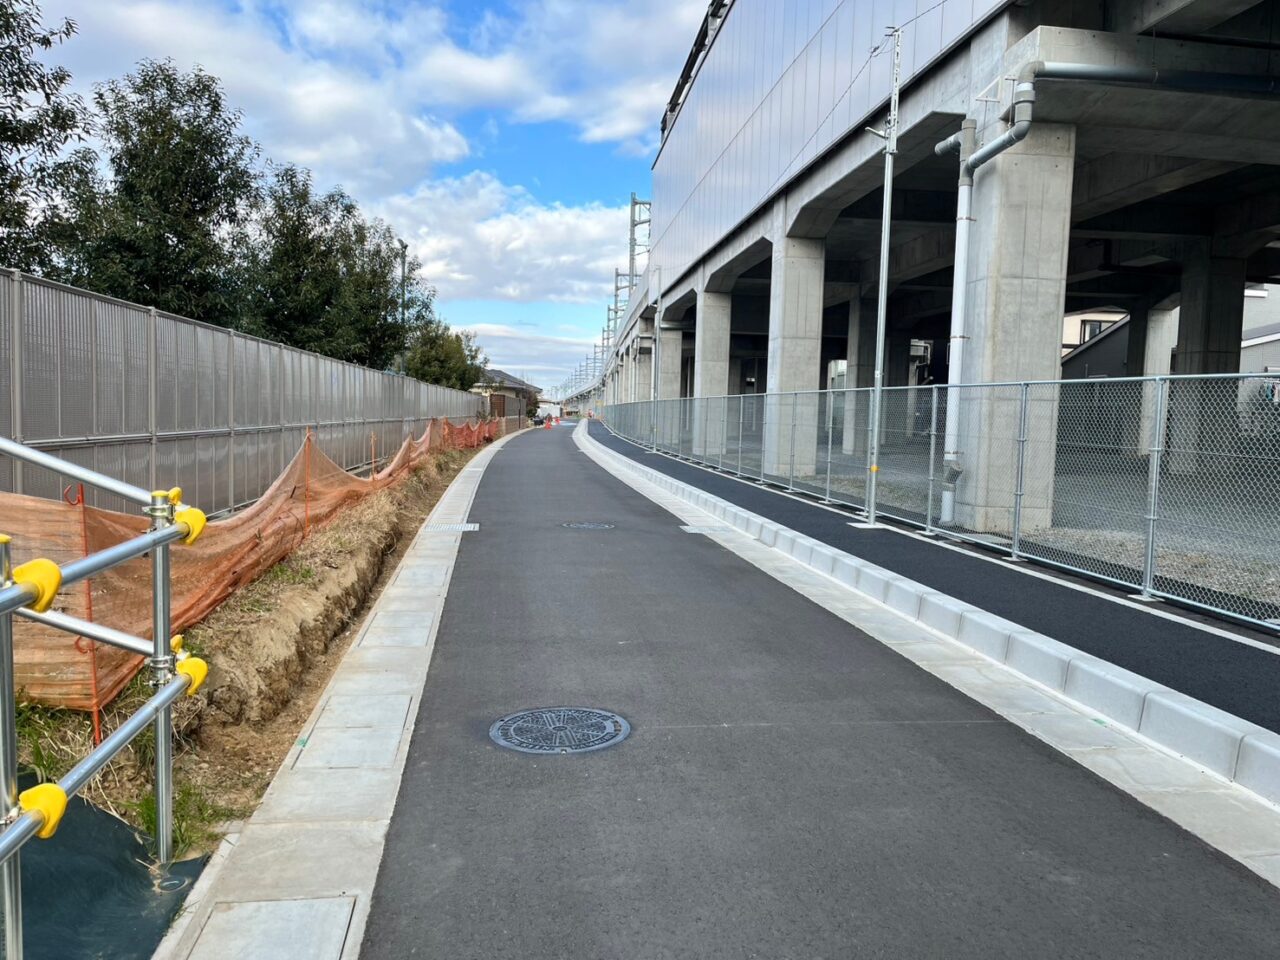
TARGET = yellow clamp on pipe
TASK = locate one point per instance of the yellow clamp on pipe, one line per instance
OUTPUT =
(195, 521)
(51, 801)
(45, 576)
(175, 643)
(194, 668)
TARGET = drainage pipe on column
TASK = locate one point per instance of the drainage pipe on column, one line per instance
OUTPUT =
(1024, 97)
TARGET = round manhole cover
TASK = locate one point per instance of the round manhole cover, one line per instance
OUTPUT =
(587, 525)
(559, 730)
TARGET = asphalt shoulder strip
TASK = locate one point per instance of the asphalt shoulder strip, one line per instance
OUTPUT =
(790, 788)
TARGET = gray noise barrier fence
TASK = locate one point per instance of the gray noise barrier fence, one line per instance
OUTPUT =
(142, 395)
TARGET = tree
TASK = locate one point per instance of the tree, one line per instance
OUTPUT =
(183, 184)
(40, 178)
(438, 354)
(321, 277)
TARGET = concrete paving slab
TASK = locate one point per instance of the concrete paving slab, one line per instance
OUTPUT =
(347, 747)
(388, 710)
(292, 861)
(280, 929)
(319, 795)
(1138, 769)
(389, 628)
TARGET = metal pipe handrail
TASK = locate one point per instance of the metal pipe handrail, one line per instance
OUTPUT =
(92, 477)
(30, 821)
(93, 631)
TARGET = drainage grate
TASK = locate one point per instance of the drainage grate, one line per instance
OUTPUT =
(587, 525)
(559, 730)
(452, 527)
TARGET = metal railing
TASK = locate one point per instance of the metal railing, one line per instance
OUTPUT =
(1167, 486)
(147, 396)
(28, 590)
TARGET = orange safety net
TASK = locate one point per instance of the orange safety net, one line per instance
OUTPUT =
(54, 668)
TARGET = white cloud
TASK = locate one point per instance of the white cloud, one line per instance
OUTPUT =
(479, 238)
(542, 360)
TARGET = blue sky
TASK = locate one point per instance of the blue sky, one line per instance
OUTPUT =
(501, 138)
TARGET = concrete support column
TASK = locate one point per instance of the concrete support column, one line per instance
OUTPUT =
(795, 355)
(1014, 308)
(711, 371)
(860, 362)
(1211, 316)
(644, 374)
(670, 348)
(1202, 414)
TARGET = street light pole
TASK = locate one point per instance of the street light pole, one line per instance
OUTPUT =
(882, 293)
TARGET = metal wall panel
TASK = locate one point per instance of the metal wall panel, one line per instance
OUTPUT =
(783, 81)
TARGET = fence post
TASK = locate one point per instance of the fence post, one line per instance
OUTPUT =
(831, 425)
(706, 416)
(724, 432)
(15, 371)
(153, 375)
(11, 877)
(1153, 486)
(1022, 456)
(933, 449)
(791, 461)
(231, 417)
(741, 422)
(161, 512)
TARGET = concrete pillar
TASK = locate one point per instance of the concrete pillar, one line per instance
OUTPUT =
(1202, 421)
(714, 315)
(1014, 308)
(1211, 315)
(644, 374)
(670, 348)
(1150, 354)
(795, 356)
(860, 360)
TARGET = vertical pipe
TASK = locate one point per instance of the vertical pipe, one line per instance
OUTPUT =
(1153, 485)
(231, 418)
(933, 453)
(153, 376)
(830, 395)
(1021, 473)
(951, 454)
(161, 511)
(10, 872)
(15, 372)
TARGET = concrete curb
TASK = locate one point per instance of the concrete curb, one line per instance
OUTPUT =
(1234, 749)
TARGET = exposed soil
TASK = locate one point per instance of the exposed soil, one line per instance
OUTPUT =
(272, 648)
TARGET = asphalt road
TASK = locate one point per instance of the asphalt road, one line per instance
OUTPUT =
(791, 788)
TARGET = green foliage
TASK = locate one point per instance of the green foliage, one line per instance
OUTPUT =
(178, 215)
(40, 176)
(323, 277)
(440, 355)
(182, 183)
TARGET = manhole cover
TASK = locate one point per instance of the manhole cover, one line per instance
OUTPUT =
(587, 525)
(559, 730)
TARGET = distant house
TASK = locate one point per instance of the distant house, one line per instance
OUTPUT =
(508, 396)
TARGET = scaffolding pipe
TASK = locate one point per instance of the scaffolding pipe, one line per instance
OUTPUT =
(90, 630)
(22, 829)
(83, 474)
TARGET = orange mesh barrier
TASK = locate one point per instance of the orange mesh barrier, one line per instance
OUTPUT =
(52, 668)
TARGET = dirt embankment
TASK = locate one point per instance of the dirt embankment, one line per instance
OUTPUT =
(271, 648)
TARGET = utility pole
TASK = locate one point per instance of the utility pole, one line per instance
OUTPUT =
(404, 260)
(890, 136)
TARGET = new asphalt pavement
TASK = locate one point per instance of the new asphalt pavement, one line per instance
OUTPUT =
(790, 788)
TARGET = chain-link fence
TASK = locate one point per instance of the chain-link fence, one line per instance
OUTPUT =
(1169, 486)
(142, 395)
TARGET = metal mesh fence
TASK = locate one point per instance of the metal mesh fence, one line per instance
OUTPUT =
(140, 395)
(1169, 486)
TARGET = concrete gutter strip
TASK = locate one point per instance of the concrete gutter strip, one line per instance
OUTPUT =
(1234, 749)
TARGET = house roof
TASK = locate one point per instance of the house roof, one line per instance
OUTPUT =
(493, 377)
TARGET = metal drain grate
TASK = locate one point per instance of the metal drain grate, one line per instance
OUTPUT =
(559, 730)
(587, 525)
(452, 527)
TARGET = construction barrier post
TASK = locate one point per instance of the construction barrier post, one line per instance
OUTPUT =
(161, 513)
